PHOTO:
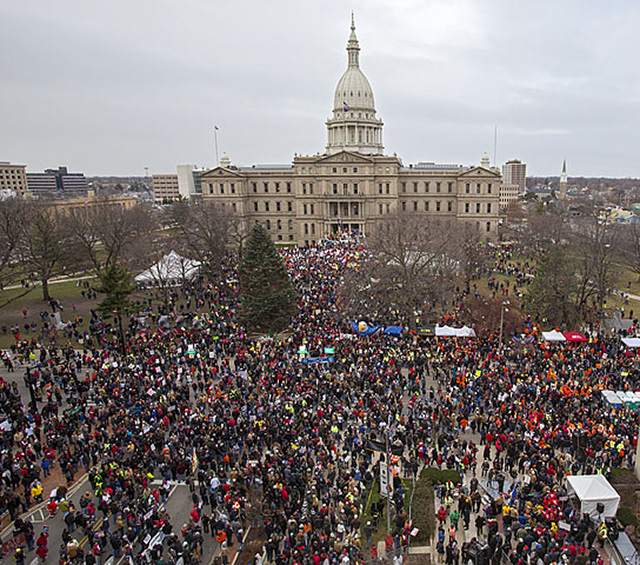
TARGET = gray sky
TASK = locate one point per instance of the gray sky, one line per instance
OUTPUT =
(113, 87)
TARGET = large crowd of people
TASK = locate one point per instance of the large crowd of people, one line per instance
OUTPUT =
(263, 438)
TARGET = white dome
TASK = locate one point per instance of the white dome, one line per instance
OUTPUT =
(354, 89)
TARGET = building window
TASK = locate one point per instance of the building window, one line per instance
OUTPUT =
(488, 207)
(290, 238)
(310, 188)
(268, 224)
(355, 188)
(266, 206)
(278, 206)
(426, 206)
(379, 208)
(438, 186)
(290, 224)
(477, 207)
(221, 188)
(279, 237)
(438, 206)
(403, 187)
(233, 188)
(277, 187)
(288, 187)
(312, 210)
(488, 226)
(426, 186)
(266, 186)
(306, 229)
(210, 188)
(415, 206)
(289, 206)
(234, 207)
(304, 170)
(254, 185)
(304, 209)
(387, 186)
(478, 188)
(489, 188)
(379, 188)
(345, 188)
(404, 206)
(415, 187)
(466, 207)
(355, 169)
(304, 188)
(467, 188)
(334, 170)
(335, 188)
(388, 208)
(449, 206)
(255, 206)
(313, 229)
(279, 224)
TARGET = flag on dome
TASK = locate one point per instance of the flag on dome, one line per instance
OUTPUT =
(345, 107)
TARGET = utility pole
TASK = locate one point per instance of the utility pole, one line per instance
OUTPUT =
(505, 303)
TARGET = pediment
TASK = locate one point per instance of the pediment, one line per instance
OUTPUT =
(344, 157)
(220, 172)
(478, 172)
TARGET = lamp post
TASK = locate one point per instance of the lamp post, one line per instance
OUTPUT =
(504, 309)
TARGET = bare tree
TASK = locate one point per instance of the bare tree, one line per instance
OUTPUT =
(470, 251)
(43, 243)
(207, 231)
(629, 246)
(12, 219)
(408, 270)
(107, 234)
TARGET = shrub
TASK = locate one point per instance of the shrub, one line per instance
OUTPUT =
(627, 516)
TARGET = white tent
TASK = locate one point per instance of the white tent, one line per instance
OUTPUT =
(465, 331)
(553, 335)
(445, 331)
(170, 270)
(592, 490)
(631, 341)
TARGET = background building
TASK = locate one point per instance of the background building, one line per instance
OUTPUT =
(165, 188)
(353, 185)
(13, 178)
(515, 172)
(189, 180)
(57, 183)
(509, 193)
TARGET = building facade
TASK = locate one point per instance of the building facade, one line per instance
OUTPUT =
(515, 172)
(353, 185)
(57, 183)
(13, 178)
(165, 188)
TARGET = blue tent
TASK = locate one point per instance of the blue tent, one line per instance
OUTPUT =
(394, 331)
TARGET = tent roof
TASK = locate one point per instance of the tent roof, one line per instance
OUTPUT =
(553, 335)
(171, 267)
(465, 331)
(592, 487)
(445, 331)
(631, 341)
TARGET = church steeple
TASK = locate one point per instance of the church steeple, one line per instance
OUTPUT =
(563, 181)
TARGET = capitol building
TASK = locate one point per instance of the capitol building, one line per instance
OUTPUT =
(353, 184)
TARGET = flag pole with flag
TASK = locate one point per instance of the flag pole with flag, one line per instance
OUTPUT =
(215, 140)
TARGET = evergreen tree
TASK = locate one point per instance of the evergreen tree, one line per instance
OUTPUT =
(267, 297)
(116, 285)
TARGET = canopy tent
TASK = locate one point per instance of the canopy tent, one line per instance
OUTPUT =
(553, 335)
(170, 270)
(612, 399)
(592, 490)
(465, 331)
(631, 341)
(394, 331)
(445, 331)
(575, 337)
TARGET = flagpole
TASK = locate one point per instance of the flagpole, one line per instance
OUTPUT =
(215, 139)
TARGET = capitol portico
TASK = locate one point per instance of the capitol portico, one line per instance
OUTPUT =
(353, 185)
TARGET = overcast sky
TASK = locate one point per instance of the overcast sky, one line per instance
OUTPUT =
(114, 87)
